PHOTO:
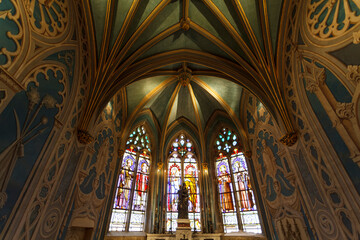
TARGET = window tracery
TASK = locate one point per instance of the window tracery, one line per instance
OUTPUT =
(237, 202)
(131, 194)
(182, 167)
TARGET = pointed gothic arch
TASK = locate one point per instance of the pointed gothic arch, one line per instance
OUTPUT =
(130, 203)
(236, 197)
(182, 167)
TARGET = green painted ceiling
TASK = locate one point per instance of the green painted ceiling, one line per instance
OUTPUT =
(198, 11)
(172, 101)
(128, 31)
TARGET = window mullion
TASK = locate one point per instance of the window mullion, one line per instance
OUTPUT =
(132, 190)
(235, 193)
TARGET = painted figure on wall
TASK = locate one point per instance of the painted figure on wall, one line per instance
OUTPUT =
(225, 189)
(268, 159)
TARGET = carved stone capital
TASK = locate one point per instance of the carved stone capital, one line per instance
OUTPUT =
(120, 153)
(159, 166)
(84, 137)
(205, 166)
(314, 76)
(248, 154)
(353, 73)
(345, 110)
(3, 198)
(289, 139)
(184, 78)
(356, 36)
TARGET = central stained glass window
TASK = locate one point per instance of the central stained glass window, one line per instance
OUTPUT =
(237, 202)
(131, 194)
(182, 167)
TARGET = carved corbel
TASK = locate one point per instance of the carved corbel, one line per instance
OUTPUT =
(289, 139)
(84, 137)
(121, 153)
(356, 37)
(184, 75)
(248, 154)
(160, 165)
(205, 166)
(353, 73)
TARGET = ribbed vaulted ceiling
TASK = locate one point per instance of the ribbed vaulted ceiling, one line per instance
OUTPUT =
(145, 45)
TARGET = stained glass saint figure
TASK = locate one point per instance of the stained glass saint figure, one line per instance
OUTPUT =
(190, 181)
(225, 189)
(125, 180)
(142, 181)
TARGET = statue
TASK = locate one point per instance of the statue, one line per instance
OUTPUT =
(183, 202)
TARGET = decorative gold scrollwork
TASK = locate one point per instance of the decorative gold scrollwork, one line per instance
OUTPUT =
(12, 17)
(48, 17)
(330, 19)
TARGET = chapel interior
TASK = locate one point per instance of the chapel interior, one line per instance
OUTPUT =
(115, 114)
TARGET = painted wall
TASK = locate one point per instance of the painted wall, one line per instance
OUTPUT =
(42, 89)
(278, 191)
(50, 184)
(321, 69)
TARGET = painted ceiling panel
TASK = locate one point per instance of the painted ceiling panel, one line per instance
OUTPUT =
(252, 14)
(161, 104)
(144, 9)
(189, 40)
(207, 103)
(195, 67)
(172, 67)
(138, 90)
(98, 8)
(168, 17)
(227, 8)
(274, 10)
(227, 90)
(185, 106)
(172, 115)
(201, 115)
(206, 19)
(122, 10)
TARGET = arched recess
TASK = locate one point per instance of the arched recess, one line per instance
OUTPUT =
(222, 66)
(147, 118)
(131, 199)
(182, 167)
(184, 125)
(236, 201)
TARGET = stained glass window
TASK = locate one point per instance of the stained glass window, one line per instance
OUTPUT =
(182, 167)
(131, 194)
(236, 195)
